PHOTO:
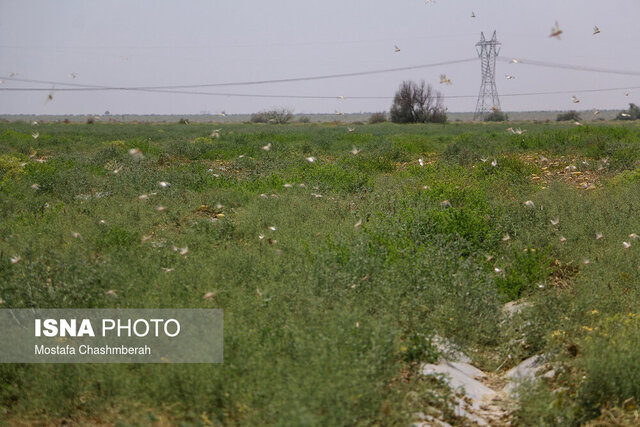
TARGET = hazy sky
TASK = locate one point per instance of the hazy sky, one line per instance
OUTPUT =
(154, 43)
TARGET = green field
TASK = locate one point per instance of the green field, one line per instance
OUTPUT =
(326, 322)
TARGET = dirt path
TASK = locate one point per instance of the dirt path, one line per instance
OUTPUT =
(481, 398)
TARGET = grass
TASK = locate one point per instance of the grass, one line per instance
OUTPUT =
(325, 323)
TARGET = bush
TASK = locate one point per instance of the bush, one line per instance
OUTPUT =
(528, 268)
(568, 116)
(278, 116)
(379, 117)
(497, 116)
(10, 167)
(633, 113)
(611, 364)
(304, 119)
(417, 103)
(419, 348)
(260, 117)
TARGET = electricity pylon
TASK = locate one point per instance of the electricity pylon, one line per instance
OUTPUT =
(488, 98)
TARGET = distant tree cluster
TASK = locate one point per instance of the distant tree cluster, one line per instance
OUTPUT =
(379, 117)
(277, 116)
(417, 103)
(569, 116)
(497, 116)
(633, 113)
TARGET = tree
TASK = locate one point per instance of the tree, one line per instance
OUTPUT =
(417, 103)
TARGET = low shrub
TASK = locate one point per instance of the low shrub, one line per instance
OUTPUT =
(379, 117)
(568, 116)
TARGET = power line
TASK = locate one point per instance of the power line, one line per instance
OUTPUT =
(233, 45)
(253, 95)
(570, 67)
(561, 92)
(185, 92)
(254, 82)
(306, 78)
(177, 89)
(553, 92)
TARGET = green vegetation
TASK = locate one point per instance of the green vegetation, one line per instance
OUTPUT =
(277, 116)
(497, 116)
(326, 322)
(633, 113)
(379, 117)
(572, 115)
